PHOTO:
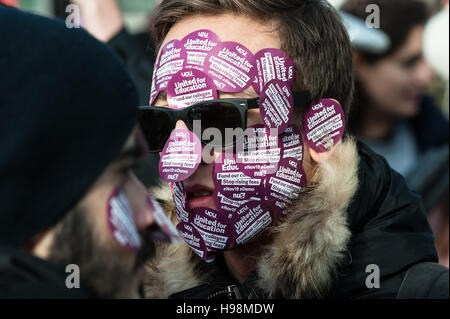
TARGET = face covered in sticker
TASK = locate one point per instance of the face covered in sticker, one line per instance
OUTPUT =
(111, 232)
(232, 194)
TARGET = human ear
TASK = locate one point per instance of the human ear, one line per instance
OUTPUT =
(320, 157)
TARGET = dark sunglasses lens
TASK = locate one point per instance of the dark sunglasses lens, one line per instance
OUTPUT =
(218, 117)
(156, 126)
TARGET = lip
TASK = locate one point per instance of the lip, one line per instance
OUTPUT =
(206, 200)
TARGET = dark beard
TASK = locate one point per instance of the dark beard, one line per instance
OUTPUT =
(103, 271)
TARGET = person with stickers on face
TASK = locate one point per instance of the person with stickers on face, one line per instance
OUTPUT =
(274, 199)
(75, 222)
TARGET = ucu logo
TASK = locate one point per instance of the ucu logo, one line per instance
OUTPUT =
(187, 74)
(241, 50)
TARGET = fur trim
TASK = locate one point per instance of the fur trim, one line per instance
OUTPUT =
(308, 245)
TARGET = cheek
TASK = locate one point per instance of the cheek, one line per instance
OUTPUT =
(253, 117)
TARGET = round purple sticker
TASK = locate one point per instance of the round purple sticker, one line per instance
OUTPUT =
(292, 143)
(232, 186)
(189, 86)
(193, 238)
(231, 66)
(258, 152)
(197, 45)
(273, 64)
(171, 60)
(181, 156)
(248, 221)
(212, 226)
(121, 221)
(276, 105)
(323, 124)
(179, 198)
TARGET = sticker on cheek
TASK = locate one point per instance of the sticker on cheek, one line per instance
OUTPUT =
(197, 45)
(323, 124)
(171, 60)
(248, 221)
(232, 187)
(285, 185)
(258, 152)
(292, 143)
(181, 156)
(189, 86)
(273, 64)
(179, 197)
(193, 238)
(276, 105)
(121, 221)
(212, 226)
(231, 66)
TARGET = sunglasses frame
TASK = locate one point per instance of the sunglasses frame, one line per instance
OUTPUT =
(242, 104)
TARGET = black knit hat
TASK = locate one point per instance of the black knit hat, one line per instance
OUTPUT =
(67, 106)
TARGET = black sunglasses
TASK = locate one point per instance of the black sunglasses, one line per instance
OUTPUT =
(158, 122)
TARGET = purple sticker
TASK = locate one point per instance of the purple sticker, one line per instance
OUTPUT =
(212, 226)
(276, 105)
(285, 185)
(292, 143)
(258, 153)
(231, 66)
(323, 124)
(171, 60)
(232, 186)
(248, 221)
(181, 156)
(193, 238)
(273, 64)
(197, 45)
(179, 198)
(153, 91)
(189, 86)
(121, 221)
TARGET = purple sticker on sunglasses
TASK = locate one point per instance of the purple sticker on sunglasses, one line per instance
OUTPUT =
(197, 45)
(273, 64)
(189, 86)
(181, 156)
(248, 221)
(232, 187)
(258, 152)
(171, 60)
(292, 143)
(213, 227)
(323, 124)
(231, 66)
(276, 105)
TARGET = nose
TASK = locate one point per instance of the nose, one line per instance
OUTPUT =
(424, 74)
(138, 199)
(181, 125)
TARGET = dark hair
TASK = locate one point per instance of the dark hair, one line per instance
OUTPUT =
(310, 32)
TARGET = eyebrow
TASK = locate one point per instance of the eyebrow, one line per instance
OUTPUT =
(133, 153)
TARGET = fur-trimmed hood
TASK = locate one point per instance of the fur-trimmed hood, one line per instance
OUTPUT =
(307, 246)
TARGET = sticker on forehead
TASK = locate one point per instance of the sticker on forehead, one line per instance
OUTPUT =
(273, 64)
(171, 60)
(189, 86)
(258, 152)
(212, 226)
(232, 186)
(181, 156)
(197, 45)
(179, 197)
(276, 105)
(285, 185)
(121, 221)
(248, 221)
(193, 238)
(292, 143)
(323, 124)
(153, 90)
(231, 66)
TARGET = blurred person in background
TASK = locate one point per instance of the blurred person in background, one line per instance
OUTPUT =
(392, 112)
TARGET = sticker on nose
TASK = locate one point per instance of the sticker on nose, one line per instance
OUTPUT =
(212, 226)
(231, 66)
(323, 124)
(189, 86)
(197, 45)
(171, 60)
(276, 105)
(248, 221)
(232, 187)
(121, 221)
(181, 156)
(258, 152)
(193, 238)
(273, 64)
